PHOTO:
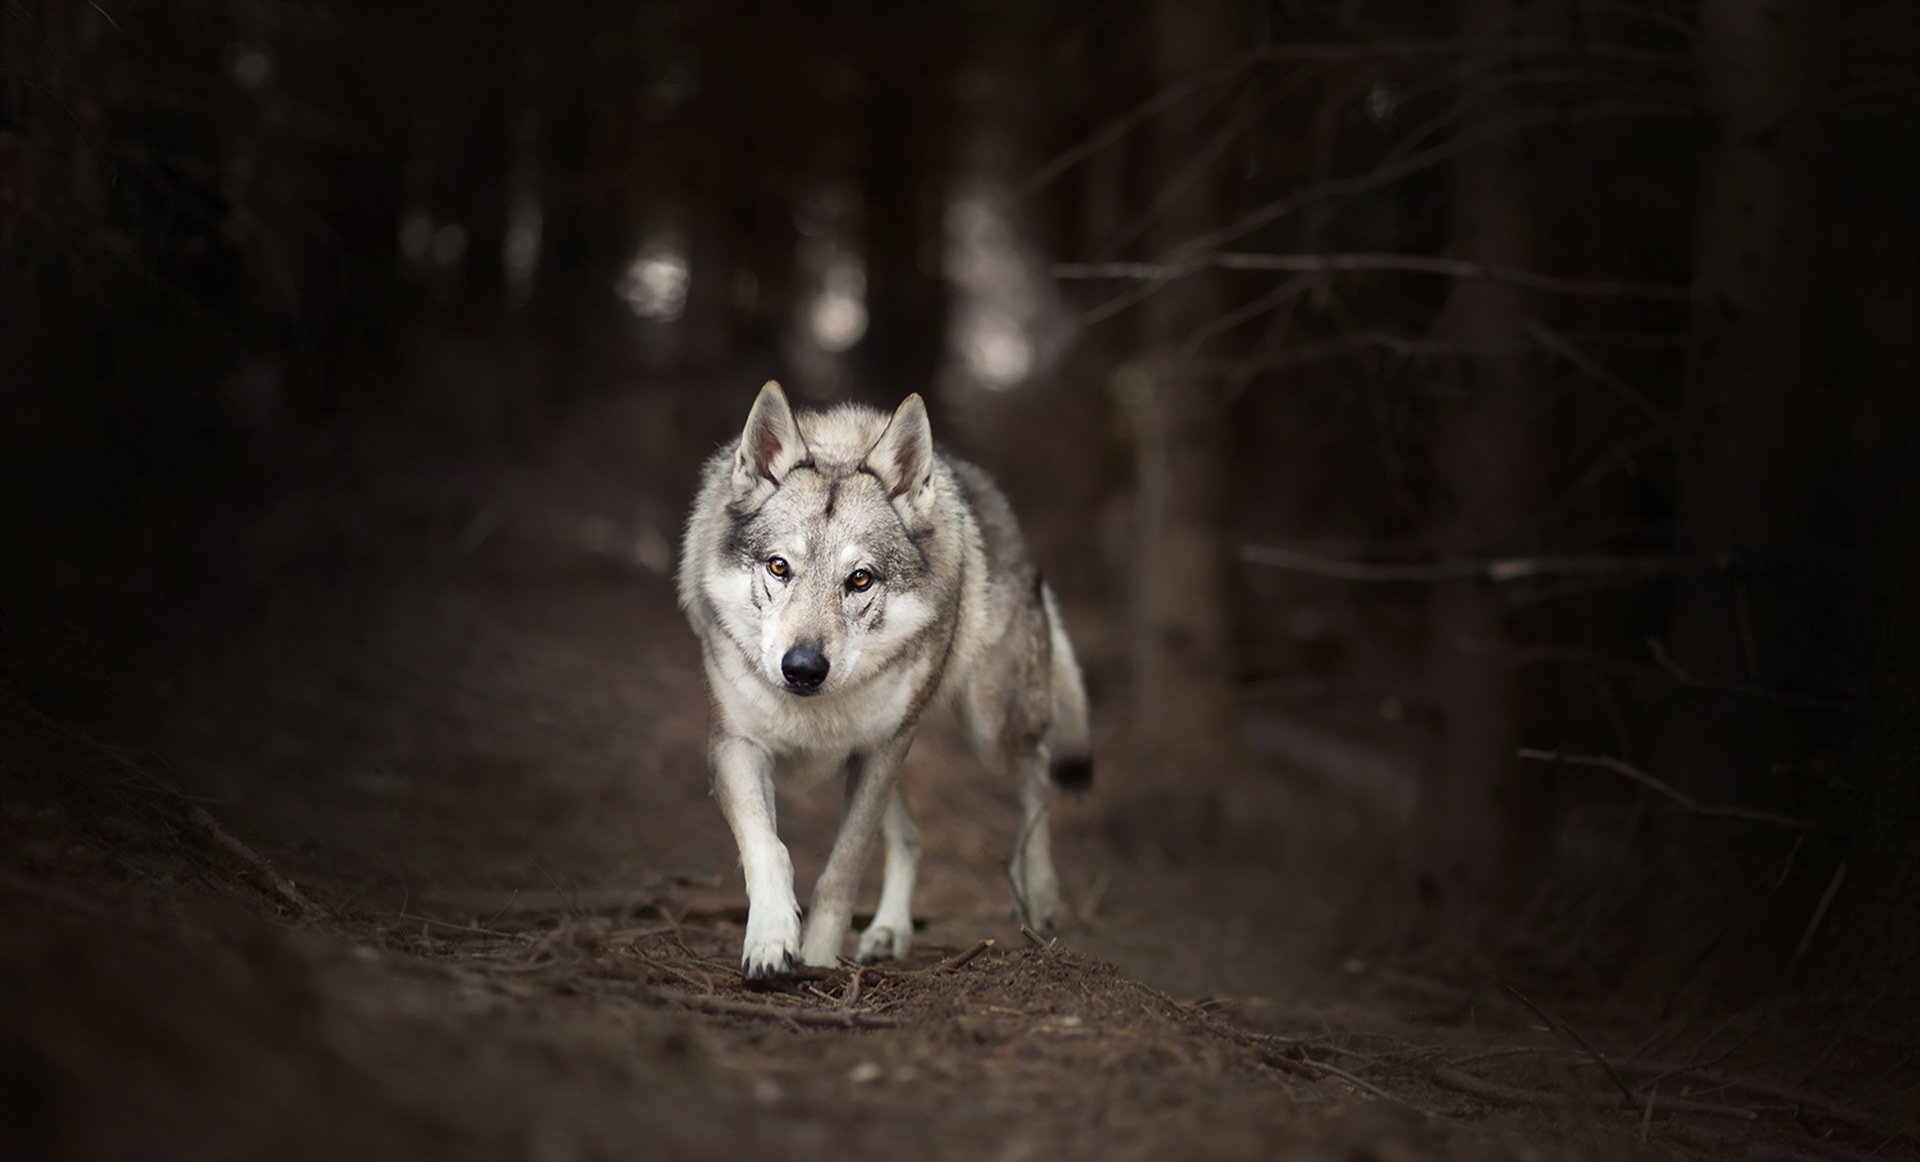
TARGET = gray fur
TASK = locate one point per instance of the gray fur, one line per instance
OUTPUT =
(955, 611)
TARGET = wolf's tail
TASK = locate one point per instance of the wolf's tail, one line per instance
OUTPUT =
(1069, 738)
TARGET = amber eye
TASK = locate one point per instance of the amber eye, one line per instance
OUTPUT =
(860, 581)
(778, 567)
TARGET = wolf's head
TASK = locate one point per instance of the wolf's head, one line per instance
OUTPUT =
(824, 574)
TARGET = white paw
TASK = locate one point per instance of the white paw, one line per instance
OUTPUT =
(884, 942)
(773, 940)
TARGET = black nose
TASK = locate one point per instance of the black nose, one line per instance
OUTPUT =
(804, 666)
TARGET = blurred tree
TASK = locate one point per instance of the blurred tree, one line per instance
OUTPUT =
(1182, 708)
(1484, 816)
(1875, 943)
(1747, 479)
(907, 114)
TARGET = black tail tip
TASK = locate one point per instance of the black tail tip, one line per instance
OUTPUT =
(1073, 774)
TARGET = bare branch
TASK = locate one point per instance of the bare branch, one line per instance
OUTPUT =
(1667, 790)
(1633, 396)
(1813, 923)
(1269, 300)
(1379, 177)
(1126, 123)
(1426, 159)
(1173, 94)
(1620, 456)
(1499, 570)
(1410, 263)
(1809, 701)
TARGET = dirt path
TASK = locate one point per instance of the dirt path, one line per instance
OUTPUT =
(484, 771)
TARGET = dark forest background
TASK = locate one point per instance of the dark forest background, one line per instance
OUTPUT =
(1501, 410)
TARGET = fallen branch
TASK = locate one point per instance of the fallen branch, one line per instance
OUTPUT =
(1467, 1083)
(468, 929)
(827, 1018)
(852, 992)
(230, 843)
(1560, 1026)
(141, 776)
(1289, 1056)
(1368, 1087)
(1703, 1072)
(1685, 801)
(1760, 1087)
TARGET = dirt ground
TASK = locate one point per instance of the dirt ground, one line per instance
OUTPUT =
(414, 858)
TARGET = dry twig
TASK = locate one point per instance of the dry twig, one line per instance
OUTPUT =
(963, 959)
(852, 992)
(1037, 940)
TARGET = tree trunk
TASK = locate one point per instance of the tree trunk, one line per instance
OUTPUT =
(907, 114)
(1182, 707)
(1484, 814)
(1747, 463)
(1865, 959)
(1869, 954)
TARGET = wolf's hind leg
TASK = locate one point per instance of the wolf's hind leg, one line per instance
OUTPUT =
(1036, 888)
(743, 782)
(891, 933)
(869, 790)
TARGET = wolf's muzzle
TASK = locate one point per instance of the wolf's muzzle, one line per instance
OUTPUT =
(804, 668)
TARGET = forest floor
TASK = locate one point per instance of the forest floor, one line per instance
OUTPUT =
(419, 863)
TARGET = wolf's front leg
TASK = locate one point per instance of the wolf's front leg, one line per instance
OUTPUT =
(743, 782)
(870, 780)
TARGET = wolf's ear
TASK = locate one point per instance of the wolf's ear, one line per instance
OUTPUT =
(770, 446)
(903, 455)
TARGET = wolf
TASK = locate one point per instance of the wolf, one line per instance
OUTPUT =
(843, 576)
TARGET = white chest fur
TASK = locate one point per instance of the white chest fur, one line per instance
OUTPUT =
(805, 732)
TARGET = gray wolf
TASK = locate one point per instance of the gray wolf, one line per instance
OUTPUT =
(843, 576)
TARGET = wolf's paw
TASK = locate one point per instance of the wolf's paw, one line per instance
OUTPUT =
(884, 942)
(772, 947)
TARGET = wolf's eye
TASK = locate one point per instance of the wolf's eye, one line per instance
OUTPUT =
(778, 567)
(860, 581)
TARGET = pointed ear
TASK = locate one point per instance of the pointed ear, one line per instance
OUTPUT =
(770, 446)
(903, 455)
